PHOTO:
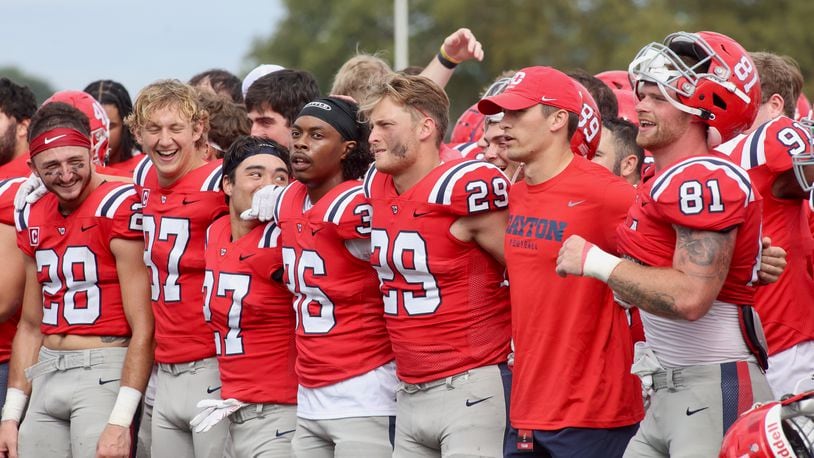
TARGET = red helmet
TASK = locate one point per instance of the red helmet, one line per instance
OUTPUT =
(803, 109)
(615, 79)
(469, 126)
(722, 88)
(777, 428)
(627, 105)
(586, 139)
(99, 122)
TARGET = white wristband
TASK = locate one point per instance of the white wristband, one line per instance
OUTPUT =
(599, 264)
(16, 400)
(125, 407)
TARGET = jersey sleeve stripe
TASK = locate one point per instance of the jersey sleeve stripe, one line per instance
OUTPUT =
(21, 217)
(8, 183)
(757, 151)
(337, 208)
(711, 163)
(279, 203)
(140, 173)
(442, 191)
(212, 182)
(270, 236)
(111, 202)
(369, 180)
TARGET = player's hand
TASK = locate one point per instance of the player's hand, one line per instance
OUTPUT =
(263, 202)
(214, 410)
(462, 46)
(114, 442)
(8, 439)
(772, 262)
(571, 259)
(29, 192)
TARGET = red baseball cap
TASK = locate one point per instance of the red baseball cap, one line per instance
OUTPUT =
(533, 85)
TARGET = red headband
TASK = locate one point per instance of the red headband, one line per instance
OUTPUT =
(54, 138)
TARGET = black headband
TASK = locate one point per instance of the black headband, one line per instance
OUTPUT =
(340, 114)
(263, 148)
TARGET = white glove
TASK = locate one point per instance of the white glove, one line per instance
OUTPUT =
(263, 202)
(29, 192)
(214, 410)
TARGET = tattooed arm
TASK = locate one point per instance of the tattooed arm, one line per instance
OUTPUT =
(688, 289)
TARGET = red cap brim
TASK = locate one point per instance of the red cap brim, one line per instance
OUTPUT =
(503, 102)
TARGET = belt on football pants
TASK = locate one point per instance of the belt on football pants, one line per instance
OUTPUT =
(411, 388)
(252, 411)
(65, 360)
(192, 366)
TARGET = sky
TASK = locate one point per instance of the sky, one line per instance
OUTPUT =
(71, 43)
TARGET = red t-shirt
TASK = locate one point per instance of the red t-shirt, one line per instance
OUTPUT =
(250, 313)
(444, 303)
(340, 327)
(77, 270)
(175, 222)
(785, 307)
(572, 341)
(707, 193)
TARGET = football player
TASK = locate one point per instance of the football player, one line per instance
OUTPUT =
(618, 151)
(346, 397)
(691, 246)
(572, 393)
(249, 309)
(274, 100)
(437, 247)
(768, 153)
(181, 195)
(83, 349)
(17, 106)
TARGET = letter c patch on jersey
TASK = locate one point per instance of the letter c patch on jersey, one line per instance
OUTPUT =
(34, 236)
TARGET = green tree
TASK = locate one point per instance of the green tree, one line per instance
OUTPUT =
(595, 35)
(41, 88)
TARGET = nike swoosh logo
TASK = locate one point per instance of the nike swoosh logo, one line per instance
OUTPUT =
(187, 202)
(53, 139)
(478, 401)
(247, 256)
(283, 433)
(417, 214)
(547, 99)
(105, 382)
(314, 231)
(693, 412)
(88, 227)
(572, 203)
(211, 390)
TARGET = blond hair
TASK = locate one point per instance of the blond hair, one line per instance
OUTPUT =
(419, 95)
(358, 74)
(169, 93)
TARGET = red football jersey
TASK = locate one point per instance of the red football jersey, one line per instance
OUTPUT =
(340, 327)
(250, 312)
(175, 222)
(8, 188)
(128, 166)
(572, 341)
(784, 306)
(707, 193)
(17, 167)
(444, 303)
(77, 270)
